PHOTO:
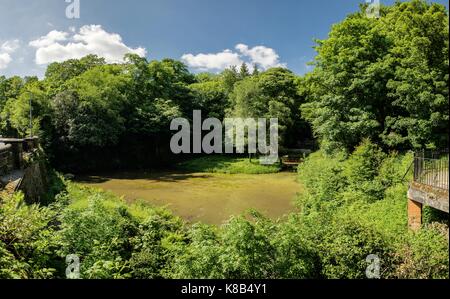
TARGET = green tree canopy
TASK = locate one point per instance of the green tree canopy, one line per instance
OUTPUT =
(271, 94)
(386, 79)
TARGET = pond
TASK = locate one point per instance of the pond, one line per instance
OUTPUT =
(205, 197)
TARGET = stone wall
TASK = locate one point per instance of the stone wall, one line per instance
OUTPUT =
(6, 159)
(21, 165)
(34, 184)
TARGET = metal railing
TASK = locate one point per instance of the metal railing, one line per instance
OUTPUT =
(432, 169)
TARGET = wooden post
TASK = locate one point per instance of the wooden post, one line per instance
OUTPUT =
(414, 215)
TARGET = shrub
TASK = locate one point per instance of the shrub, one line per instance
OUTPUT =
(241, 249)
(323, 180)
(361, 210)
(27, 243)
(346, 245)
(424, 254)
(200, 259)
(96, 233)
(155, 244)
(362, 167)
(246, 251)
(296, 252)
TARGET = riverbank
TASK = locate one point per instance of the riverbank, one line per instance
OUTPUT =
(228, 165)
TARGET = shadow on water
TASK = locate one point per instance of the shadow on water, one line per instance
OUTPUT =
(166, 176)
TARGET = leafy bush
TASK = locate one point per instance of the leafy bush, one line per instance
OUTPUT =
(361, 210)
(246, 251)
(238, 250)
(362, 167)
(345, 246)
(297, 256)
(96, 233)
(201, 257)
(424, 255)
(340, 224)
(155, 245)
(27, 245)
(323, 180)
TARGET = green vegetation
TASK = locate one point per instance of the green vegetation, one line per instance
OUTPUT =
(385, 79)
(118, 116)
(378, 90)
(228, 164)
(365, 191)
(272, 94)
(339, 225)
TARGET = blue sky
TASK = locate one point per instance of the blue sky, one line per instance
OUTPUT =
(269, 32)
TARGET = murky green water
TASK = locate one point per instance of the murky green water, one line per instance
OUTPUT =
(209, 198)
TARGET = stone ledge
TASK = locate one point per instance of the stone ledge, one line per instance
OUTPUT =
(429, 196)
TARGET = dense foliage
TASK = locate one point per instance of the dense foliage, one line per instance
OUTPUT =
(119, 115)
(272, 94)
(380, 78)
(384, 79)
(341, 223)
(379, 88)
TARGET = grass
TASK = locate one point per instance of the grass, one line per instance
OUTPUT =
(80, 196)
(228, 165)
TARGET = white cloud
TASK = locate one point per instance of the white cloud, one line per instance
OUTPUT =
(5, 60)
(6, 49)
(51, 38)
(262, 56)
(10, 46)
(58, 46)
(217, 61)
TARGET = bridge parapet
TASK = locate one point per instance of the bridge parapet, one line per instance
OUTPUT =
(6, 159)
(18, 171)
(12, 151)
(430, 186)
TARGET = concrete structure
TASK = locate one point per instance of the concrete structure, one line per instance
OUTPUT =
(13, 166)
(429, 188)
(15, 149)
(6, 158)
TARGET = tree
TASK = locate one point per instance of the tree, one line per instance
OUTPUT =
(206, 77)
(419, 89)
(158, 94)
(255, 70)
(211, 98)
(88, 113)
(10, 88)
(385, 79)
(243, 71)
(58, 73)
(230, 77)
(169, 81)
(16, 112)
(272, 94)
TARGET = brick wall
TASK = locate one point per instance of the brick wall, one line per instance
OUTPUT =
(414, 214)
